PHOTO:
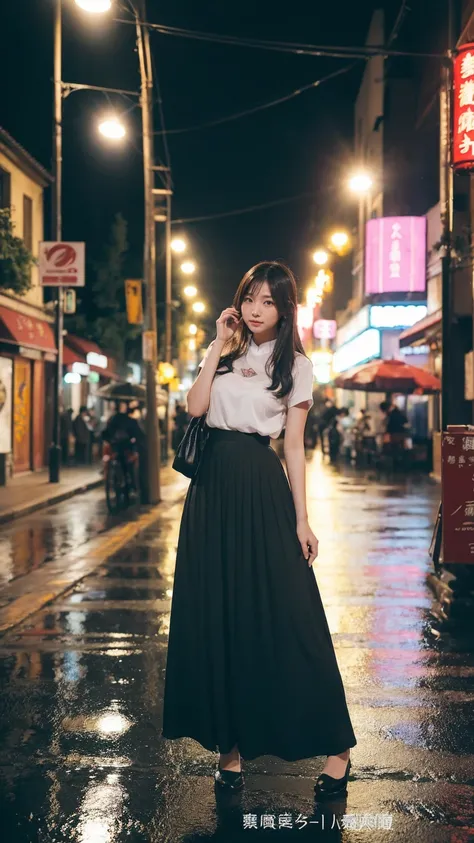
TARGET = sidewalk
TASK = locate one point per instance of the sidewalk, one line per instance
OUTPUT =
(27, 492)
(32, 491)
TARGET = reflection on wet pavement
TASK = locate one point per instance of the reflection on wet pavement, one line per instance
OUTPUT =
(82, 688)
(35, 539)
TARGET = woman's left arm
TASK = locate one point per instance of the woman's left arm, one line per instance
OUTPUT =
(293, 448)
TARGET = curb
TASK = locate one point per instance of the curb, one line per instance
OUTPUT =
(46, 584)
(43, 503)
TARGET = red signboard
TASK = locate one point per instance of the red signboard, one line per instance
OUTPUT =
(463, 110)
(62, 264)
(458, 497)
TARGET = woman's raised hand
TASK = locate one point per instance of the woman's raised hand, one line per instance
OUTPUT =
(227, 323)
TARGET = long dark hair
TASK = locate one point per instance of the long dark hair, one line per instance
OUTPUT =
(282, 284)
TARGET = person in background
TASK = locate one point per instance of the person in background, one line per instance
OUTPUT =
(82, 435)
(93, 424)
(328, 415)
(66, 431)
(312, 425)
(396, 429)
(335, 437)
(347, 428)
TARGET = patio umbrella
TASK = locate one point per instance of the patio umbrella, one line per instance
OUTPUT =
(389, 376)
(122, 392)
(131, 392)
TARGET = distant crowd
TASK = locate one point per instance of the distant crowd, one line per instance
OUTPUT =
(357, 438)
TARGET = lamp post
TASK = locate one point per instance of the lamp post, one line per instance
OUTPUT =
(110, 128)
(55, 449)
(153, 492)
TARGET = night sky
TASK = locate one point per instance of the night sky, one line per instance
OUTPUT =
(301, 147)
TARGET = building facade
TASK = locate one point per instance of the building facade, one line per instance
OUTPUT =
(27, 342)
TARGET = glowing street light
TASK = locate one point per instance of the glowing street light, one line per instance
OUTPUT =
(112, 128)
(178, 245)
(360, 183)
(188, 267)
(320, 257)
(199, 307)
(312, 297)
(96, 7)
(192, 329)
(190, 291)
(340, 240)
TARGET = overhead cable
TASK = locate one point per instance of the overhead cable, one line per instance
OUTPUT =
(261, 107)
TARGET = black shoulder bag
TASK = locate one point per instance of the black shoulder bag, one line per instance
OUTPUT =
(189, 451)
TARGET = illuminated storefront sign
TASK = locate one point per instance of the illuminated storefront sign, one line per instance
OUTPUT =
(324, 329)
(396, 315)
(463, 111)
(415, 349)
(395, 255)
(98, 360)
(355, 326)
(358, 350)
(322, 365)
(80, 368)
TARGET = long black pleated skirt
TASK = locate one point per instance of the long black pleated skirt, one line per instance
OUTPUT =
(250, 657)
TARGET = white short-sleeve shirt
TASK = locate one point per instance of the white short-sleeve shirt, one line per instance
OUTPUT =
(240, 401)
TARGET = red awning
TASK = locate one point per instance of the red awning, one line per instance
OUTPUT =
(70, 356)
(78, 349)
(418, 331)
(25, 330)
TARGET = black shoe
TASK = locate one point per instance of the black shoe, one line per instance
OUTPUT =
(229, 779)
(328, 787)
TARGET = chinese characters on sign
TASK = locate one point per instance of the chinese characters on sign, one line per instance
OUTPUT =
(458, 497)
(395, 255)
(463, 112)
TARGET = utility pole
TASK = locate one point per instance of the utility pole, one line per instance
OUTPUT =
(146, 91)
(447, 217)
(55, 449)
(168, 333)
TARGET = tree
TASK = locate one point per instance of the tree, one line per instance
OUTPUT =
(16, 260)
(102, 313)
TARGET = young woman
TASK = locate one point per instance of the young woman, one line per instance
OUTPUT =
(251, 668)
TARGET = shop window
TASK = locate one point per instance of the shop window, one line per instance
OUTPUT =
(5, 191)
(28, 222)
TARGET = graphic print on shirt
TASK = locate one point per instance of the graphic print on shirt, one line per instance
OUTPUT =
(248, 373)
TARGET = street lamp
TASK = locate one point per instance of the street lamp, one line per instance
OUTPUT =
(188, 267)
(112, 128)
(152, 494)
(190, 291)
(178, 245)
(199, 307)
(192, 329)
(360, 183)
(94, 6)
(321, 257)
(339, 240)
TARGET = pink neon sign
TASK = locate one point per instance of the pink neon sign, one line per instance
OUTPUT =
(395, 255)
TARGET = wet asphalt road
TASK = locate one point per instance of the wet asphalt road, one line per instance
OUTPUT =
(82, 687)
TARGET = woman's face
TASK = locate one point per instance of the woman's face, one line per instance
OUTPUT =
(259, 311)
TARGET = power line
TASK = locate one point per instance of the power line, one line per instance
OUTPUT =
(261, 107)
(247, 210)
(367, 51)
